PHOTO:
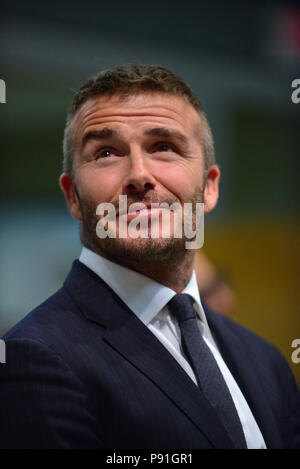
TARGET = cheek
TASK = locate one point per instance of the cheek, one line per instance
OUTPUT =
(182, 181)
(97, 186)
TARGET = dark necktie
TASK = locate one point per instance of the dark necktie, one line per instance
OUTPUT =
(208, 374)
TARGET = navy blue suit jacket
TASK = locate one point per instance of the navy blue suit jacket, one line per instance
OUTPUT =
(82, 371)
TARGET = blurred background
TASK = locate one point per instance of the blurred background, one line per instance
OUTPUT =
(240, 58)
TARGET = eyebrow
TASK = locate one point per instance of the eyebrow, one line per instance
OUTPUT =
(102, 134)
(107, 133)
(167, 133)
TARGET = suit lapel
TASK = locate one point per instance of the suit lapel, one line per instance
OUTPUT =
(135, 342)
(138, 345)
(235, 355)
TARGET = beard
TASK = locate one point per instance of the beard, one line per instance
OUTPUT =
(132, 251)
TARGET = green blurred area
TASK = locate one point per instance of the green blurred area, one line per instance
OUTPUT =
(265, 161)
(32, 126)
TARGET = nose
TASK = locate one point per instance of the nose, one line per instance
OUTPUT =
(139, 177)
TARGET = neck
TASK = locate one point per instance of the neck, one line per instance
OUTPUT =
(174, 272)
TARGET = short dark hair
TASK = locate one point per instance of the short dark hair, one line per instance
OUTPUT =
(131, 79)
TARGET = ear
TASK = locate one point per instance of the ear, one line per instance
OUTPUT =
(68, 188)
(211, 191)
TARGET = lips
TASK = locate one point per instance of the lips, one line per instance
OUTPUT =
(136, 207)
(141, 209)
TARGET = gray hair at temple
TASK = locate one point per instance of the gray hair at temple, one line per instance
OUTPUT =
(132, 79)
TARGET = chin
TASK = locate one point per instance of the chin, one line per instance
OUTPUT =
(143, 249)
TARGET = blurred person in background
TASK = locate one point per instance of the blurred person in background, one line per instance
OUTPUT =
(126, 354)
(214, 287)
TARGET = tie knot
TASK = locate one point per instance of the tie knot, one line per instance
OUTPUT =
(182, 306)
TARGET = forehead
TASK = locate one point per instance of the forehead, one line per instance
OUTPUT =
(138, 110)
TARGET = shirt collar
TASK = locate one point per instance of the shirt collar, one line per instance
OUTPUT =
(144, 296)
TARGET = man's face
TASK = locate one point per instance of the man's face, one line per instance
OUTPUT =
(147, 147)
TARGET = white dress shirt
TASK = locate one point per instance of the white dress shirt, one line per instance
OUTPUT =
(148, 299)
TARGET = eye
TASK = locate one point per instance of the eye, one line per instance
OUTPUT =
(104, 153)
(164, 147)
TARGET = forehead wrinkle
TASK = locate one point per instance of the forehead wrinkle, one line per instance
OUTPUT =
(159, 110)
(96, 124)
(120, 116)
(94, 114)
(151, 119)
(89, 123)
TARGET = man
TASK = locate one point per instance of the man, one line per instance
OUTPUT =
(125, 355)
(214, 289)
